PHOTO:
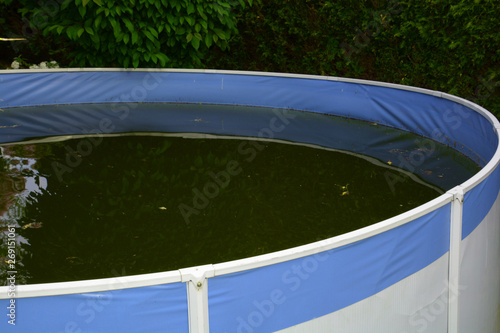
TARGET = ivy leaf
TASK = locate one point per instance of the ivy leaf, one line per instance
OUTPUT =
(97, 21)
(135, 59)
(220, 33)
(208, 40)
(123, 49)
(113, 23)
(199, 8)
(136, 56)
(66, 4)
(153, 31)
(196, 43)
(85, 2)
(82, 10)
(71, 33)
(190, 20)
(170, 19)
(149, 35)
(163, 58)
(189, 37)
(128, 24)
(135, 37)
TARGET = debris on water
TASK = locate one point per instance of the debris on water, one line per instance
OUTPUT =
(33, 225)
(344, 188)
(72, 259)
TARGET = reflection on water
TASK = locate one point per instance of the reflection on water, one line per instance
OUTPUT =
(19, 182)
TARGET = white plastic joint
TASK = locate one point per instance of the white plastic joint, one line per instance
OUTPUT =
(458, 194)
(197, 275)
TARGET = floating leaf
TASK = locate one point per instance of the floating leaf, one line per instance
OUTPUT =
(33, 225)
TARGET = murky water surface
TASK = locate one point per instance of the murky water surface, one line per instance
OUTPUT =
(102, 206)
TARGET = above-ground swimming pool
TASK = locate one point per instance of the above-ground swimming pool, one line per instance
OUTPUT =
(434, 268)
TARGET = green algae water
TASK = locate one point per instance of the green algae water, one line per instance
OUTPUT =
(102, 206)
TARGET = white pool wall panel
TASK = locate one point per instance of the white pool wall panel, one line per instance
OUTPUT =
(479, 290)
(410, 305)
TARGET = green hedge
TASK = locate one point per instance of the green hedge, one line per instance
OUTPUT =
(446, 45)
(136, 33)
(451, 46)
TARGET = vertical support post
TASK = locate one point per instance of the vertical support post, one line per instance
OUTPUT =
(197, 293)
(454, 258)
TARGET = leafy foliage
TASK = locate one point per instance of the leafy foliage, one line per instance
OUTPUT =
(294, 36)
(446, 45)
(139, 33)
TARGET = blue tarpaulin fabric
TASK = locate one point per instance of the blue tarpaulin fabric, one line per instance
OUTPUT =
(161, 308)
(419, 113)
(478, 202)
(362, 138)
(306, 288)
